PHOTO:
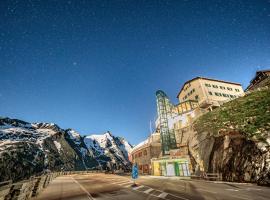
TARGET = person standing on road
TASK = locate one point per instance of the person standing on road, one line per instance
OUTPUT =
(134, 173)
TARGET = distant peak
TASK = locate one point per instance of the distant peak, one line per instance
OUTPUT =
(44, 125)
(108, 133)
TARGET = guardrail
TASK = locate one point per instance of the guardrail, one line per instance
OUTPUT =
(212, 176)
(26, 189)
(208, 176)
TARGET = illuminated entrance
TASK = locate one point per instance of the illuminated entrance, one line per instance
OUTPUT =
(170, 167)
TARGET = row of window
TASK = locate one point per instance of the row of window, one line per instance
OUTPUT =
(189, 93)
(222, 94)
(138, 155)
(187, 86)
(144, 168)
(221, 87)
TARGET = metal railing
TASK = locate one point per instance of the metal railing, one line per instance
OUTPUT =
(207, 176)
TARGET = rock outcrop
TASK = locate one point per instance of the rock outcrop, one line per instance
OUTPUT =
(234, 140)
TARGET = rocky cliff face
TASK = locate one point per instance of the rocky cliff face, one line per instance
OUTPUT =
(30, 149)
(234, 140)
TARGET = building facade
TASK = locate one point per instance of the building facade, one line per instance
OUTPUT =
(168, 153)
(145, 151)
(208, 92)
(261, 79)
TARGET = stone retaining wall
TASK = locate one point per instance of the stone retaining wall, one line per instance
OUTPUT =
(26, 189)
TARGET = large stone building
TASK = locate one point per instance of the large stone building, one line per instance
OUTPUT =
(209, 93)
(173, 124)
(145, 151)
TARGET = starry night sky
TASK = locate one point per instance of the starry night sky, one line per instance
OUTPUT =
(95, 65)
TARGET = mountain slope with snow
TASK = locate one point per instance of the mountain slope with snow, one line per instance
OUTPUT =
(106, 145)
(28, 149)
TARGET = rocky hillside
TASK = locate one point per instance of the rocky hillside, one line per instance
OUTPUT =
(28, 149)
(234, 140)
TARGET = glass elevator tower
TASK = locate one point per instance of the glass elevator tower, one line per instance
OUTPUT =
(167, 135)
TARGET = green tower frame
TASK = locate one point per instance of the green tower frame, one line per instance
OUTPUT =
(164, 108)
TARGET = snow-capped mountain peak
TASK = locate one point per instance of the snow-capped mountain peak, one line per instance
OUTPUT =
(50, 147)
(108, 145)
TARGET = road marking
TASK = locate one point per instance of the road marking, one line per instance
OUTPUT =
(178, 197)
(125, 183)
(119, 181)
(163, 195)
(207, 191)
(240, 197)
(89, 196)
(224, 182)
(175, 195)
(232, 190)
(126, 186)
(248, 189)
(160, 195)
(139, 187)
(149, 190)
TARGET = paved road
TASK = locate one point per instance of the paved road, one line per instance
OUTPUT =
(113, 187)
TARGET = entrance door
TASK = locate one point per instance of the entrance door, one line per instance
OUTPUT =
(170, 169)
(176, 167)
(185, 169)
(156, 169)
(163, 168)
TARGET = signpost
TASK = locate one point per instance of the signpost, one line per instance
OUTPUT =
(134, 173)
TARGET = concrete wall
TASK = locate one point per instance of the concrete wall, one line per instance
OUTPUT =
(27, 189)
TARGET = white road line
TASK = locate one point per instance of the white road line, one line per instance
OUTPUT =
(119, 182)
(248, 189)
(163, 195)
(232, 190)
(89, 196)
(240, 197)
(174, 195)
(207, 191)
(149, 190)
(129, 185)
(128, 182)
(139, 187)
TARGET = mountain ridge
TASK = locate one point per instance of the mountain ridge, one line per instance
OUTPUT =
(28, 149)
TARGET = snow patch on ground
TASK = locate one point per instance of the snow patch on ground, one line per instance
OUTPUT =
(83, 151)
(58, 146)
